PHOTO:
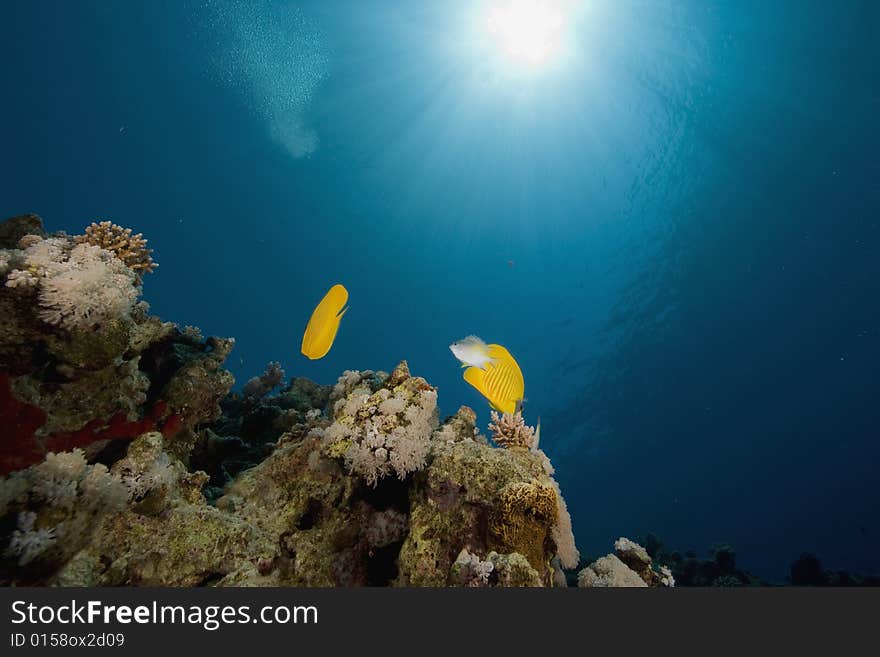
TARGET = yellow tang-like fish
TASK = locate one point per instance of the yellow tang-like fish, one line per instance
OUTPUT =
(500, 381)
(324, 323)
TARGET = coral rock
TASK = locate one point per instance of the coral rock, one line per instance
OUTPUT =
(609, 571)
(13, 229)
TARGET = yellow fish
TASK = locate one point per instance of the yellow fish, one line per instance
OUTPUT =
(500, 381)
(324, 323)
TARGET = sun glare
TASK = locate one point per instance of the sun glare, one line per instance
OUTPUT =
(527, 31)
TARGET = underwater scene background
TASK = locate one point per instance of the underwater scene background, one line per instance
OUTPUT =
(675, 228)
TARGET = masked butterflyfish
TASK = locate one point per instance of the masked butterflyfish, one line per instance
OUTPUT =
(324, 323)
(493, 372)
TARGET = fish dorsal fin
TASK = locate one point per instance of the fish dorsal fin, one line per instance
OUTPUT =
(497, 351)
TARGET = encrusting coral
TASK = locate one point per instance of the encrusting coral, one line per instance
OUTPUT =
(130, 249)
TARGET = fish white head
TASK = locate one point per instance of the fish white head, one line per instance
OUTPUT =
(471, 351)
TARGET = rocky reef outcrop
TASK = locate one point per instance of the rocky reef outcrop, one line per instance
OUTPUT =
(82, 363)
(629, 565)
(127, 461)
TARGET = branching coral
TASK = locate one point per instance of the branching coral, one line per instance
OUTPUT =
(130, 249)
(260, 386)
(510, 430)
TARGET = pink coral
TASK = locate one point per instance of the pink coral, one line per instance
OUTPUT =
(510, 430)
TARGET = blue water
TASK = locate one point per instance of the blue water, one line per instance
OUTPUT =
(676, 229)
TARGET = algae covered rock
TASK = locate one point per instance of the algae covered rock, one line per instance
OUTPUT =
(483, 498)
(609, 571)
(143, 523)
(505, 570)
(15, 228)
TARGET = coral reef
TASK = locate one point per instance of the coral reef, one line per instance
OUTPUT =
(82, 364)
(719, 569)
(303, 516)
(126, 460)
(807, 570)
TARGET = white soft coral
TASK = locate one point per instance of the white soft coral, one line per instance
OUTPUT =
(386, 433)
(28, 542)
(89, 287)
